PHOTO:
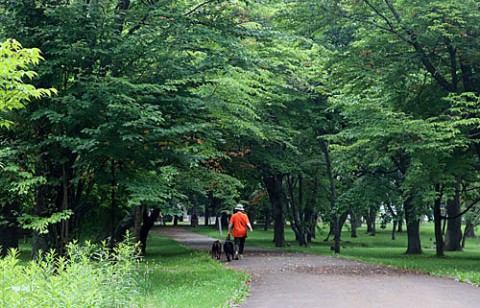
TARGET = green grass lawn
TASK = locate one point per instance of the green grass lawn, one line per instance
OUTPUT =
(464, 266)
(175, 276)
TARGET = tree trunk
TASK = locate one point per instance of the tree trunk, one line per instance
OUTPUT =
(194, 221)
(313, 227)
(65, 227)
(353, 224)
(39, 245)
(394, 229)
(273, 184)
(148, 222)
(400, 224)
(138, 220)
(296, 209)
(437, 219)
(266, 223)
(370, 218)
(342, 220)
(468, 232)
(40, 241)
(453, 237)
(194, 217)
(224, 220)
(113, 205)
(216, 204)
(333, 196)
(8, 229)
(413, 228)
(127, 222)
(331, 232)
(207, 214)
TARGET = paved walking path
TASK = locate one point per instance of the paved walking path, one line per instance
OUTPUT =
(300, 280)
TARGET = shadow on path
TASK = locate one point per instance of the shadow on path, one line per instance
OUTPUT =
(281, 279)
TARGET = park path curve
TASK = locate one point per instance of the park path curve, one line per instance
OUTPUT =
(281, 279)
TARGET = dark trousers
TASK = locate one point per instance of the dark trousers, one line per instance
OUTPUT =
(239, 244)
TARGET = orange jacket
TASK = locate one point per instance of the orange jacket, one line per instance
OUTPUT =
(239, 221)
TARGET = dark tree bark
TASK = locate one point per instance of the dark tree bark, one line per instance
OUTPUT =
(333, 196)
(273, 184)
(40, 243)
(266, 223)
(353, 224)
(127, 222)
(413, 228)
(313, 227)
(411, 218)
(453, 237)
(207, 214)
(371, 221)
(394, 229)
(194, 221)
(400, 226)
(113, 199)
(224, 220)
(331, 232)
(65, 225)
(468, 232)
(342, 220)
(194, 217)
(299, 209)
(8, 228)
(217, 222)
(148, 222)
(437, 218)
(215, 205)
(395, 219)
(138, 220)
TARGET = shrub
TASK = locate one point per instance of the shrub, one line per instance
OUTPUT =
(87, 276)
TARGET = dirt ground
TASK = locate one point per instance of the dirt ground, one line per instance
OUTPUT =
(302, 280)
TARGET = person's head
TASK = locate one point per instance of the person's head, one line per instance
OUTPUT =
(239, 208)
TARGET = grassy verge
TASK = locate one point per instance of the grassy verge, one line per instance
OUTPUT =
(177, 277)
(380, 249)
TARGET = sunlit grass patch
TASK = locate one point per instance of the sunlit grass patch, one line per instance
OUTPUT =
(179, 277)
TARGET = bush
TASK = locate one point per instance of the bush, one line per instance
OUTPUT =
(88, 276)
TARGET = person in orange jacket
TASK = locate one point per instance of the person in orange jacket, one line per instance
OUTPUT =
(238, 229)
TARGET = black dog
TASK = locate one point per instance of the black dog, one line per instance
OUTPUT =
(228, 249)
(216, 250)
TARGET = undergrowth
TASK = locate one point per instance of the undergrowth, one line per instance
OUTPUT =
(87, 276)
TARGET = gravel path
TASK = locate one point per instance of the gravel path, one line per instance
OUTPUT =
(301, 280)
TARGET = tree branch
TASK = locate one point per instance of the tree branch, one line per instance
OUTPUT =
(463, 212)
(412, 40)
(199, 6)
(452, 51)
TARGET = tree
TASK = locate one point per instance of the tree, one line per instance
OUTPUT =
(145, 92)
(14, 93)
(439, 35)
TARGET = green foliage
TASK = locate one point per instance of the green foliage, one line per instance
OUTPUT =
(40, 224)
(88, 276)
(152, 187)
(14, 69)
(148, 92)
